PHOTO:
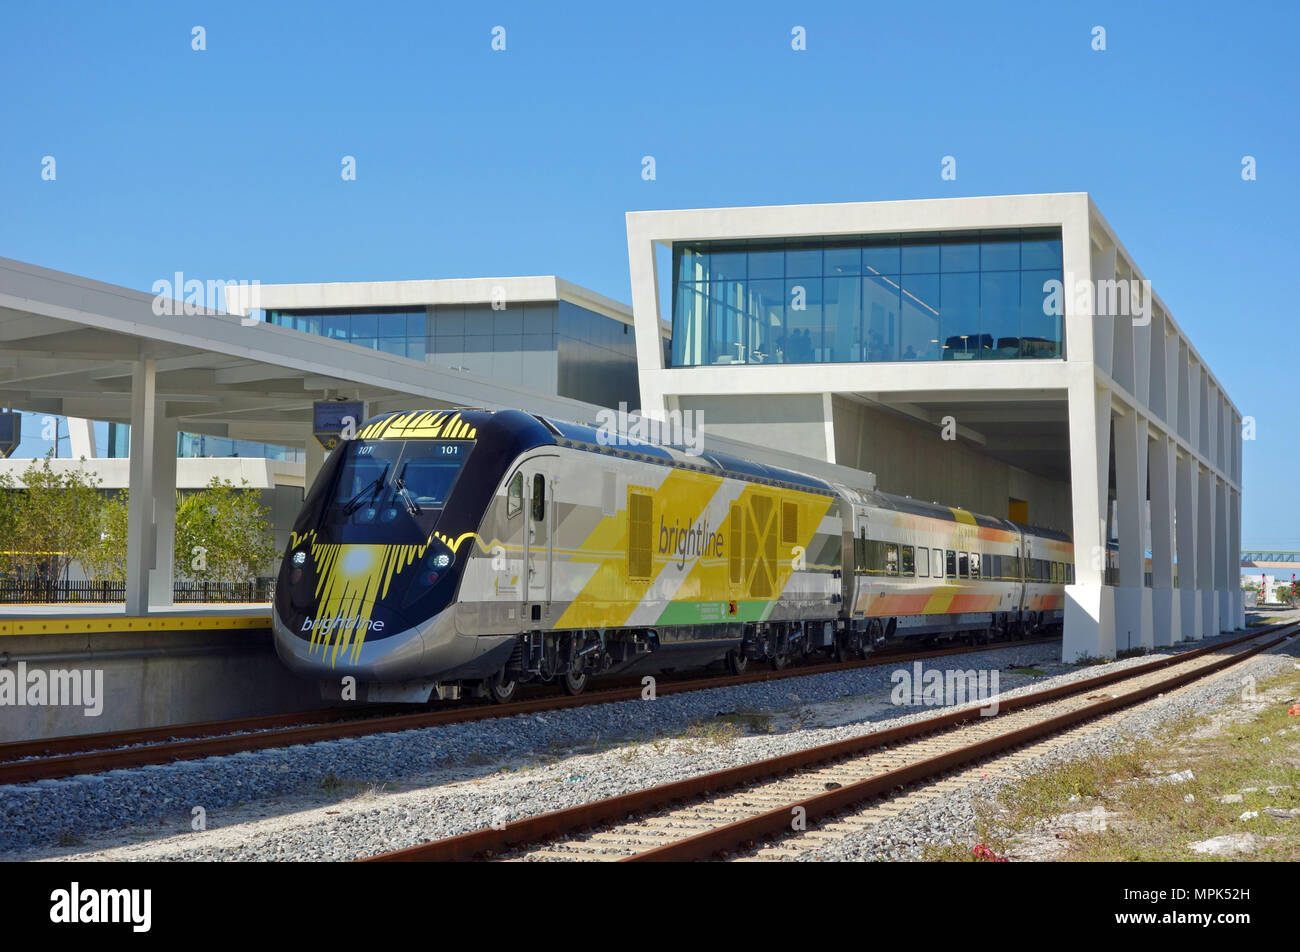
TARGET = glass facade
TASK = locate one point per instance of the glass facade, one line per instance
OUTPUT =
(199, 445)
(596, 358)
(550, 346)
(971, 295)
(515, 343)
(401, 331)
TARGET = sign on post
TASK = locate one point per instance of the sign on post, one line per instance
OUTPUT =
(334, 421)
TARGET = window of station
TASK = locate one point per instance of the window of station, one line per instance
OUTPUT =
(401, 331)
(967, 295)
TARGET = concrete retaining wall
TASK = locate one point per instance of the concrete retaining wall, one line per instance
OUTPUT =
(149, 679)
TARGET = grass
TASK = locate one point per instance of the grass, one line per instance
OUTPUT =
(1155, 820)
(334, 785)
(719, 732)
(1088, 661)
(751, 722)
(1263, 622)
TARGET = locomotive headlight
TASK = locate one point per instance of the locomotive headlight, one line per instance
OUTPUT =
(441, 560)
(299, 558)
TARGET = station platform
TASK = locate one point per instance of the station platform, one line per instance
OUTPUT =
(74, 669)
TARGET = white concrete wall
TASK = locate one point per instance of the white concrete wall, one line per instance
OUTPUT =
(911, 459)
(191, 472)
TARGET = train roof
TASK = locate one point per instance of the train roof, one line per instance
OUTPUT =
(1043, 532)
(599, 440)
(537, 430)
(938, 511)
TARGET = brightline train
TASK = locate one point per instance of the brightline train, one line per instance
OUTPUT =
(464, 552)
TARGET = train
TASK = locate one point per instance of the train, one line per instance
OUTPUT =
(442, 555)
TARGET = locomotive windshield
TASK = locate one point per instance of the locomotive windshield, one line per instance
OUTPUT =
(397, 486)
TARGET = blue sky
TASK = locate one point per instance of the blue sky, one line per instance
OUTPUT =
(225, 163)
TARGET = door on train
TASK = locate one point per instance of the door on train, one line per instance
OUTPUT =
(539, 485)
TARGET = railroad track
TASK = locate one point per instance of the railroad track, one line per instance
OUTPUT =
(740, 807)
(28, 761)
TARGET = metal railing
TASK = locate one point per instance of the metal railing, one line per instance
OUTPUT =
(33, 592)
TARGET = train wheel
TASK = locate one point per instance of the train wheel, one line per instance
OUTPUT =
(779, 662)
(499, 689)
(574, 682)
(875, 633)
(736, 662)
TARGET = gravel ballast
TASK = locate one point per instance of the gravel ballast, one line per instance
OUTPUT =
(383, 792)
(951, 819)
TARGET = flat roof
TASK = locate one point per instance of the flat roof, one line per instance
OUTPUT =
(436, 291)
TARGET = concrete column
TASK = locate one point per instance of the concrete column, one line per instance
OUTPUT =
(1202, 443)
(1130, 494)
(1239, 599)
(81, 438)
(313, 462)
(1103, 329)
(140, 534)
(1184, 371)
(164, 512)
(1089, 603)
(1164, 602)
(1142, 376)
(1186, 531)
(1205, 555)
(1222, 546)
(1173, 373)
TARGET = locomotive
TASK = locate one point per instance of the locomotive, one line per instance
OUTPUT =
(443, 554)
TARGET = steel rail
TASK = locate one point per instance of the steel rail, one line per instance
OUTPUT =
(547, 826)
(94, 753)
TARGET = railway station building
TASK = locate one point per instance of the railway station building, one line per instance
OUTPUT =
(1005, 355)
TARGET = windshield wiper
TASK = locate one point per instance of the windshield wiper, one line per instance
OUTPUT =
(372, 487)
(411, 506)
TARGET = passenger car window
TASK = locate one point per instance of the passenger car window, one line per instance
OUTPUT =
(539, 497)
(515, 496)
